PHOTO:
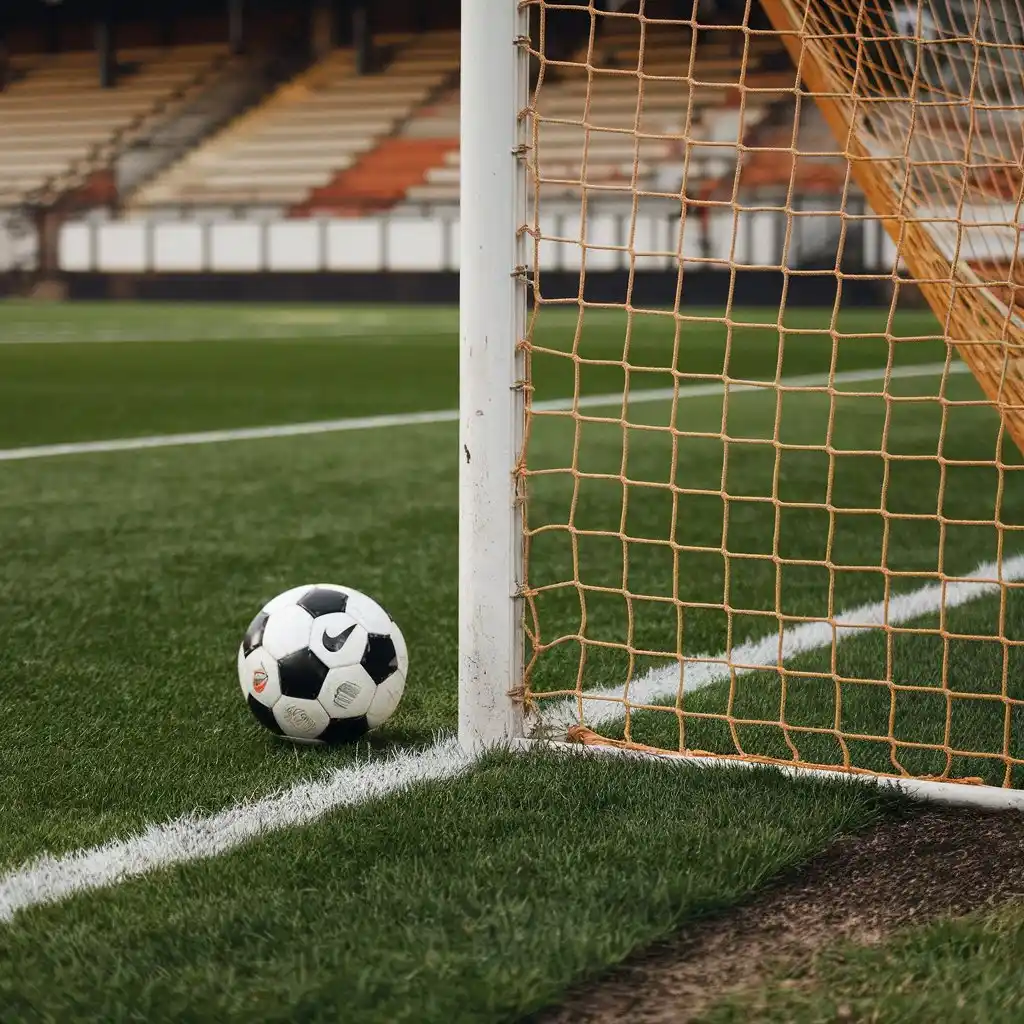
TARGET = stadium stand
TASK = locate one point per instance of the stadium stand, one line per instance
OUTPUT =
(772, 163)
(296, 149)
(58, 124)
(332, 141)
(595, 98)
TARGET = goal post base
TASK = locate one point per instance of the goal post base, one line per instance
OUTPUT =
(951, 794)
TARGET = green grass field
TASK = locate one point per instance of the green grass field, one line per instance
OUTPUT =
(129, 577)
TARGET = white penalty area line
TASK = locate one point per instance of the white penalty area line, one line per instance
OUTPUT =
(48, 879)
(411, 419)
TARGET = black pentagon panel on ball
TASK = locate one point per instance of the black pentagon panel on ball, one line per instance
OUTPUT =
(344, 730)
(379, 658)
(264, 715)
(301, 674)
(320, 601)
(254, 634)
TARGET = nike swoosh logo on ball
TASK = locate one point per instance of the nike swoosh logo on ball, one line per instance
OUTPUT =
(335, 643)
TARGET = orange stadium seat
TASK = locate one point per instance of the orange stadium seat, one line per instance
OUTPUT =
(311, 129)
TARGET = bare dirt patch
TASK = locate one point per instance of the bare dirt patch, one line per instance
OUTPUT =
(932, 864)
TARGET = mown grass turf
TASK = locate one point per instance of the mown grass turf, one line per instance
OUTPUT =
(959, 972)
(749, 530)
(477, 900)
(129, 577)
(128, 581)
(86, 371)
(842, 513)
(985, 736)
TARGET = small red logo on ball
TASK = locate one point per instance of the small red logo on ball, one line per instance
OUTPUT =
(259, 680)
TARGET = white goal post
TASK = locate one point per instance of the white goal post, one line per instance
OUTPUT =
(505, 236)
(492, 318)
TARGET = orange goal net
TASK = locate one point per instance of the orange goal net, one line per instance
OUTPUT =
(770, 479)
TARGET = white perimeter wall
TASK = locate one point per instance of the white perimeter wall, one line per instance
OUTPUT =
(406, 243)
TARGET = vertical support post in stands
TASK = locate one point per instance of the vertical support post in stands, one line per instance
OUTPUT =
(53, 15)
(106, 46)
(5, 54)
(236, 26)
(168, 28)
(362, 38)
(322, 28)
(492, 317)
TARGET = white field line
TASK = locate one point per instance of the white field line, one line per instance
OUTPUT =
(287, 327)
(48, 879)
(126, 444)
(661, 683)
(279, 332)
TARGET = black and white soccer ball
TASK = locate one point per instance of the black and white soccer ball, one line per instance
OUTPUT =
(322, 664)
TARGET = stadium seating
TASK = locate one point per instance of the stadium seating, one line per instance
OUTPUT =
(591, 106)
(57, 123)
(771, 166)
(311, 130)
(337, 142)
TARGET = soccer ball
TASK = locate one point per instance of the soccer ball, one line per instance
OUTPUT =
(322, 664)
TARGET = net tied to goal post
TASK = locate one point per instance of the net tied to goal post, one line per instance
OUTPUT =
(669, 173)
